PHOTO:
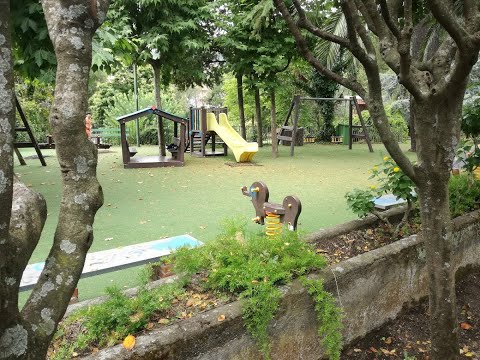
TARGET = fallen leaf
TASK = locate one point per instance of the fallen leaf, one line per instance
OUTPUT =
(469, 354)
(190, 302)
(150, 326)
(465, 326)
(385, 351)
(372, 349)
(388, 341)
(221, 318)
(357, 350)
(163, 321)
(129, 342)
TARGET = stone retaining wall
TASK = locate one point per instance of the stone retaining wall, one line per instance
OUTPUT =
(372, 288)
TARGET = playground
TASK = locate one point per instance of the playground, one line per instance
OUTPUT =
(149, 204)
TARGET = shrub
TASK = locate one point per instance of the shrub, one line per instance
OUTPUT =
(251, 268)
(392, 180)
(464, 194)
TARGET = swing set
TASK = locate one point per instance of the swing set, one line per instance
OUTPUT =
(353, 103)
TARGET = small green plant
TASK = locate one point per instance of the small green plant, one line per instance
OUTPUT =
(236, 264)
(251, 267)
(107, 323)
(464, 194)
(408, 357)
(329, 315)
(392, 180)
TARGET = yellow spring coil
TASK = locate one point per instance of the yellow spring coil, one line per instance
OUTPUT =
(273, 225)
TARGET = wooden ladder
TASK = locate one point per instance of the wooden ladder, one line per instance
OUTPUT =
(33, 142)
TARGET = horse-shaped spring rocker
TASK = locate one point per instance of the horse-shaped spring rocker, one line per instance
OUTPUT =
(271, 214)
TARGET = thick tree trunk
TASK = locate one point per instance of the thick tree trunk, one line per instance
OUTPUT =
(27, 335)
(435, 162)
(274, 124)
(158, 98)
(258, 115)
(8, 292)
(241, 105)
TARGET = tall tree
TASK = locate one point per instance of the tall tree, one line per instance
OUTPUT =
(257, 45)
(27, 333)
(437, 85)
(173, 37)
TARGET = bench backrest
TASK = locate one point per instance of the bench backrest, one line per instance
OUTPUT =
(108, 132)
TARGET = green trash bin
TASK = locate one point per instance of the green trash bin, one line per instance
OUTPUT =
(342, 130)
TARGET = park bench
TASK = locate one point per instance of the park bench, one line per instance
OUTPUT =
(106, 261)
(103, 135)
(100, 137)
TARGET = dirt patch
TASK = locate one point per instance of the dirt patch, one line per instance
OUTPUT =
(409, 334)
(235, 164)
(360, 241)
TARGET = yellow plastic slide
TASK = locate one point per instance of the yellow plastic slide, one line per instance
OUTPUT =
(243, 151)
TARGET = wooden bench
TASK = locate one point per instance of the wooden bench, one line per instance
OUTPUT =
(101, 135)
(106, 261)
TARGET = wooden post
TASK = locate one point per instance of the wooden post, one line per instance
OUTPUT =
(203, 129)
(365, 130)
(123, 139)
(27, 127)
(19, 155)
(296, 115)
(350, 123)
(192, 127)
(181, 149)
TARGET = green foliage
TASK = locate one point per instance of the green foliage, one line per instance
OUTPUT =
(468, 154)
(391, 179)
(32, 48)
(471, 119)
(464, 194)
(361, 201)
(255, 41)
(250, 268)
(397, 123)
(329, 315)
(261, 304)
(35, 98)
(175, 35)
(106, 324)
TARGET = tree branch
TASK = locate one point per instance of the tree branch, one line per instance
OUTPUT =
(443, 12)
(306, 24)
(388, 19)
(351, 12)
(351, 84)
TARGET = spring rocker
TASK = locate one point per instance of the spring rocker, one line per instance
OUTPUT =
(271, 214)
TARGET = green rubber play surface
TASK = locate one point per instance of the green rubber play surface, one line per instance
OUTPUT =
(149, 204)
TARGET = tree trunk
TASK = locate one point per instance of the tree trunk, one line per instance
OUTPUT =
(258, 115)
(241, 105)
(411, 126)
(8, 297)
(435, 163)
(274, 124)
(158, 99)
(71, 24)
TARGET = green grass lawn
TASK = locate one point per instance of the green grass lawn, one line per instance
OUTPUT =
(148, 204)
